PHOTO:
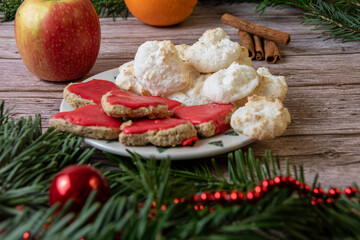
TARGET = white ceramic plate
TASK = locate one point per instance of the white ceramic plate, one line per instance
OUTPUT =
(205, 147)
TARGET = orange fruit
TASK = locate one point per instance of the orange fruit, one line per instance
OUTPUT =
(161, 12)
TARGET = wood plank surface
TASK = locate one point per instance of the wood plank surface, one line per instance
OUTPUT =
(323, 79)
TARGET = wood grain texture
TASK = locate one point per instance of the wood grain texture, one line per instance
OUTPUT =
(323, 79)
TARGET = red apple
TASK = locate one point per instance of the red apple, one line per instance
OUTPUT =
(58, 40)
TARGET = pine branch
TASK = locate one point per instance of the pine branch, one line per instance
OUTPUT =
(104, 8)
(281, 214)
(339, 20)
(336, 20)
(29, 159)
(8, 8)
(4, 114)
(144, 191)
(113, 8)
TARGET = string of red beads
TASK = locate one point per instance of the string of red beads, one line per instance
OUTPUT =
(236, 197)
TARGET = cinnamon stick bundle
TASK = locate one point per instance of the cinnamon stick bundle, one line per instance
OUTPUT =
(246, 41)
(259, 51)
(272, 53)
(246, 26)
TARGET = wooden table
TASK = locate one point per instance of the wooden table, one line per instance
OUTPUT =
(323, 79)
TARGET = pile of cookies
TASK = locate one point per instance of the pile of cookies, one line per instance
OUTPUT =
(169, 95)
(212, 70)
(102, 111)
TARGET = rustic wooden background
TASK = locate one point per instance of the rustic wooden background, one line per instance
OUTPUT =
(323, 79)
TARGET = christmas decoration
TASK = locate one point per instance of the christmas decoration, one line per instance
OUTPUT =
(235, 197)
(336, 19)
(58, 40)
(161, 12)
(153, 199)
(76, 182)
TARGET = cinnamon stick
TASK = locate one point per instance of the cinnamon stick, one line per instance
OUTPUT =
(246, 26)
(246, 41)
(259, 51)
(272, 53)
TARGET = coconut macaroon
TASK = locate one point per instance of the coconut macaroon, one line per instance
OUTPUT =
(261, 118)
(231, 84)
(181, 51)
(271, 86)
(194, 74)
(192, 94)
(127, 81)
(159, 69)
(244, 57)
(213, 51)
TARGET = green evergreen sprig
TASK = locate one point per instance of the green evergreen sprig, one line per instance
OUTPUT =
(8, 8)
(338, 20)
(137, 182)
(29, 159)
(110, 8)
(104, 8)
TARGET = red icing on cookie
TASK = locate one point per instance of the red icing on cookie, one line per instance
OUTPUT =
(212, 112)
(92, 90)
(131, 100)
(142, 126)
(190, 141)
(171, 103)
(89, 115)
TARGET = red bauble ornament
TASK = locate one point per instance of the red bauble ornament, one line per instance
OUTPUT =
(77, 182)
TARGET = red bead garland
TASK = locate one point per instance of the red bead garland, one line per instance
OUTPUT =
(236, 197)
(220, 196)
(26, 235)
(350, 192)
(318, 192)
(334, 193)
(304, 189)
(202, 199)
(277, 180)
